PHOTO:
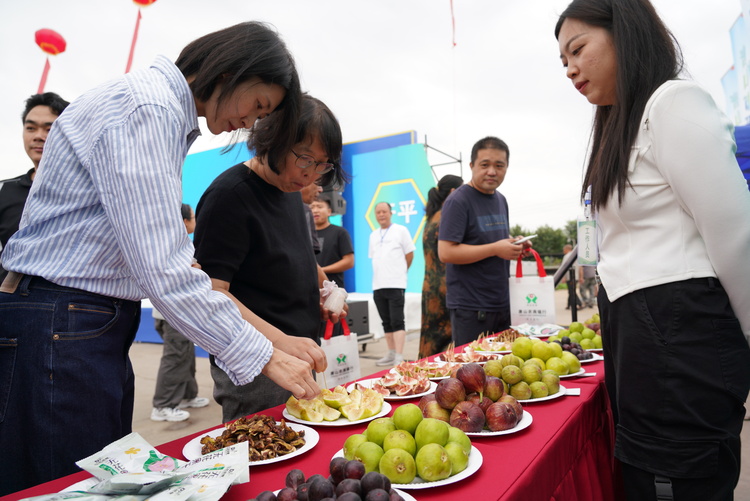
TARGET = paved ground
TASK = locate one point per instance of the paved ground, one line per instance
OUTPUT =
(146, 356)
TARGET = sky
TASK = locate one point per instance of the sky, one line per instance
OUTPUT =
(382, 66)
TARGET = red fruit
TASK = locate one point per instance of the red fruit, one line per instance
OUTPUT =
(493, 388)
(449, 393)
(501, 416)
(425, 400)
(483, 404)
(467, 417)
(510, 399)
(434, 410)
(472, 376)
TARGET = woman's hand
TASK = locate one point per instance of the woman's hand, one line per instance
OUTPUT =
(304, 349)
(292, 374)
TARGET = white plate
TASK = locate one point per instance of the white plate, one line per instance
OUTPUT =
(342, 421)
(580, 371)
(439, 359)
(405, 495)
(560, 393)
(435, 378)
(494, 352)
(475, 461)
(367, 383)
(192, 449)
(599, 350)
(524, 423)
(595, 358)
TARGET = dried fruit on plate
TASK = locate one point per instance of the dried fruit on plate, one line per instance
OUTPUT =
(402, 385)
(265, 437)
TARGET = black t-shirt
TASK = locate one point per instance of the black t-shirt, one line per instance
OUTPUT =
(13, 195)
(255, 237)
(475, 218)
(335, 243)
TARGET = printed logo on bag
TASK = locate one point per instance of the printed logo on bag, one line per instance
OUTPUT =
(341, 358)
(531, 299)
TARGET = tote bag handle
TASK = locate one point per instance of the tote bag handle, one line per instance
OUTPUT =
(539, 265)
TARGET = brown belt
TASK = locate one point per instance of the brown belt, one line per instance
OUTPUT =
(10, 284)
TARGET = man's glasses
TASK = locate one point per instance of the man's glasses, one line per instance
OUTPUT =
(305, 161)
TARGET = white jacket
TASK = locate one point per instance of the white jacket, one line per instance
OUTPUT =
(687, 213)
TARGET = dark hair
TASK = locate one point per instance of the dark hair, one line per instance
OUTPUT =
(489, 143)
(186, 211)
(54, 101)
(436, 196)
(233, 56)
(315, 120)
(647, 55)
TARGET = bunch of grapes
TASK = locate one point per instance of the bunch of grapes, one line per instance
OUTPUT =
(347, 482)
(575, 348)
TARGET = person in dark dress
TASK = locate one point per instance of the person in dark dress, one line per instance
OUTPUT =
(436, 320)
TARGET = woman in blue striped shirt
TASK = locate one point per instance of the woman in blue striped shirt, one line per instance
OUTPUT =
(102, 230)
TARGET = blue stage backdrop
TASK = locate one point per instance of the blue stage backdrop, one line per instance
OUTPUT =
(402, 177)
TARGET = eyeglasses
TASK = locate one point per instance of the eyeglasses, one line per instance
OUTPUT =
(305, 161)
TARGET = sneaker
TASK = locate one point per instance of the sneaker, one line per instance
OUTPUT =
(398, 359)
(387, 359)
(169, 414)
(193, 402)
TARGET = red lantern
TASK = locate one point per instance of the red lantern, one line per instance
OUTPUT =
(52, 43)
(139, 3)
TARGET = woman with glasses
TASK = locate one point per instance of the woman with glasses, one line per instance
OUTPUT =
(252, 240)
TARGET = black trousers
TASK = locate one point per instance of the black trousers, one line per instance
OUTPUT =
(677, 370)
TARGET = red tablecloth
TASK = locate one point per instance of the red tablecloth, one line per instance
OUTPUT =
(566, 454)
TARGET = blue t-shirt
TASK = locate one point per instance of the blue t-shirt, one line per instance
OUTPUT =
(475, 218)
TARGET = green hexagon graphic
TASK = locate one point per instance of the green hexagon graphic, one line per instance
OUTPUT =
(406, 201)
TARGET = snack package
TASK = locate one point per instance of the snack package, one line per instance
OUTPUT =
(126, 472)
(334, 297)
(129, 454)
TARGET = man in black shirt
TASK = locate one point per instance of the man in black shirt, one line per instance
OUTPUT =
(40, 111)
(336, 252)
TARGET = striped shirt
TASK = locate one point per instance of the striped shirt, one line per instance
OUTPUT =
(103, 214)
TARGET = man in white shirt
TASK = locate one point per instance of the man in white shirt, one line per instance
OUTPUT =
(391, 250)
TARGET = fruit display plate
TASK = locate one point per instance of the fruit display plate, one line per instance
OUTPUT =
(192, 449)
(439, 358)
(367, 383)
(431, 378)
(475, 461)
(560, 393)
(595, 358)
(524, 423)
(575, 374)
(342, 421)
(404, 495)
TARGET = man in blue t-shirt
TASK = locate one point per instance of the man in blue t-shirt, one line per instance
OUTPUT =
(476, 244)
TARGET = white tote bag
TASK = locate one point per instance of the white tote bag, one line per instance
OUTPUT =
(342, 353)
(532, 299)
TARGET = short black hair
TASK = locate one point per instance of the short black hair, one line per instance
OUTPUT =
(315, 120)
(489, 143)
(233, 56)
(54, 101)
(186, 211)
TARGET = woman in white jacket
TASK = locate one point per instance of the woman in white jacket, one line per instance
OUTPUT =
(673, 215)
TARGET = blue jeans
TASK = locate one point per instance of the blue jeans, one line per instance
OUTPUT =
(66, 383)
